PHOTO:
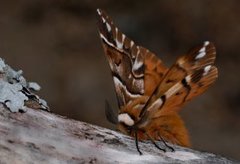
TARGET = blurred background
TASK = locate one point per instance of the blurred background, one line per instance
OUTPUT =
(56, 44)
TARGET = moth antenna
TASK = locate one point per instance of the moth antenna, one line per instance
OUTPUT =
(110, 114)
(136, 142)
(155, 144)
(170, 147)
(142, 114)
(146, 104)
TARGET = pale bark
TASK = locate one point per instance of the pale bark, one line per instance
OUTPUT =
(42, 137)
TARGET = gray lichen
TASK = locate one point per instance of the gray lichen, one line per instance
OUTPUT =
(16, 93)
(34, 86)
(11, 96)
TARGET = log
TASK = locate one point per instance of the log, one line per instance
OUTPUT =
(41, 137)
(31, 134)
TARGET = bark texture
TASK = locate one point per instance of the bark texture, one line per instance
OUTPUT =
(41, 137)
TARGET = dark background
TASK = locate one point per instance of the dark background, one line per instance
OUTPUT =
(57, 45)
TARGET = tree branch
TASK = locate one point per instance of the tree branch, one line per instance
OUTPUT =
(41, 137)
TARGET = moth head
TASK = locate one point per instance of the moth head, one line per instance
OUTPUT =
(126, 119)
(126, 123)
(129, 116)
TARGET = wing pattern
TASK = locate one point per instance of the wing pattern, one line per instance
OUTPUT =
(135, 70)
(148, 93)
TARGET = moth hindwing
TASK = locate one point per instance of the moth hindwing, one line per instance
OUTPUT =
(149, 94)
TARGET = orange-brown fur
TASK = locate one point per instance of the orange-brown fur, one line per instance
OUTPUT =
(168, 125)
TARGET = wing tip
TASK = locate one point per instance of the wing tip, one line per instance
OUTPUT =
(102, 15)
(210, 47)
(105, 27)
(99, 11)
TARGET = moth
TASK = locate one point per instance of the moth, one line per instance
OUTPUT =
(149, 94)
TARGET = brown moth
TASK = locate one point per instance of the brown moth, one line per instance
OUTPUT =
(149, 94)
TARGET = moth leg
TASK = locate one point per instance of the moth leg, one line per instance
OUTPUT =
(170, 147)
(155, 144)
(136, 142)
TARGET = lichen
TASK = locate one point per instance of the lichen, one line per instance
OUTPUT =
(15, 92)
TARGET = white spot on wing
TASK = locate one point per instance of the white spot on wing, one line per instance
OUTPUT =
(125, 118)
(105, 39)
(119, 84)
(202, 49)
(138, 50)
(116, 30)
(103, 20)
(99, 12)
(137, 64)
(206, 70)
(200, 55)
(206, 43)
(108, 27)
(188, 78)
(131, 43)
(156, 104)
(123, 37)
(119, 43)
(173, 90)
